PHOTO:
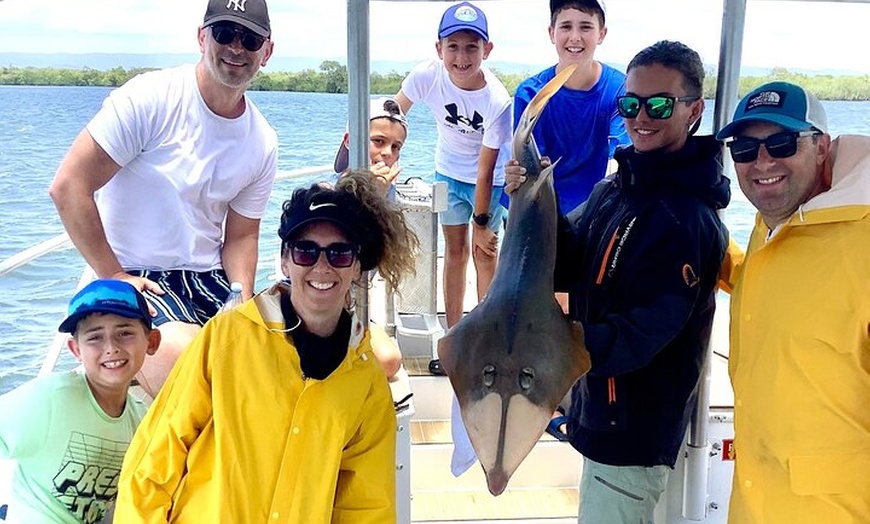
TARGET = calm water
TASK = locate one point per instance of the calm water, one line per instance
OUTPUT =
(39, 123)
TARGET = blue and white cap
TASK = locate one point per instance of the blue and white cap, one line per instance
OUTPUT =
(782, 103)
(463, 17)
(106, 296)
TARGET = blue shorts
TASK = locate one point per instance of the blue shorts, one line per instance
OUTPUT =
(460, 204)
(191, 297)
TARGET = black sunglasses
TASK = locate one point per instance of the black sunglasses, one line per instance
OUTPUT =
(307, 253)
(659, 107)
(225, 34)
(778, 145)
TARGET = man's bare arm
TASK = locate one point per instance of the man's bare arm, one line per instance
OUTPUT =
(85, 169)
(240, 249)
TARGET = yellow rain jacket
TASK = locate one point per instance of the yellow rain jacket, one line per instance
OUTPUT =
(237, 435)
(800, 358)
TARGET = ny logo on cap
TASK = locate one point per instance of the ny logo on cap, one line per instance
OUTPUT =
(765, 99)
(237, 5)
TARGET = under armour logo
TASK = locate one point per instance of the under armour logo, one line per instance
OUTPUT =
(475, 122)
(237, 5)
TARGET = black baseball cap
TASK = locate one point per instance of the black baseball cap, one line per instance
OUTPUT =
(251, 14)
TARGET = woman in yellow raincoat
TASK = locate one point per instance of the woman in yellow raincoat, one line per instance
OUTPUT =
(278, 411)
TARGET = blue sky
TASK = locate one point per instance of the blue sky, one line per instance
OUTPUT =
(800, 34)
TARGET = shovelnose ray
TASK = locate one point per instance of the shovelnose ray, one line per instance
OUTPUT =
(514, 356)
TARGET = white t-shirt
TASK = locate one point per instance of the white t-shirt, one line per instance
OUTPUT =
(182, 166)
(67, 449)
(466, 120)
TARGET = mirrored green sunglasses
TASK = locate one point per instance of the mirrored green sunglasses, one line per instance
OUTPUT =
(659, 107)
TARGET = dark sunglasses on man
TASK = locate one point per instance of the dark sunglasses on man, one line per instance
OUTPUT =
(658, 107)
(778, 145)
(307, 253)
(225, 33)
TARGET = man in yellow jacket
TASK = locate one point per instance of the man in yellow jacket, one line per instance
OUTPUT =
(800, 315)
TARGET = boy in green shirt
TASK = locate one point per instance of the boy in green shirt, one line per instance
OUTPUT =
(68, 432)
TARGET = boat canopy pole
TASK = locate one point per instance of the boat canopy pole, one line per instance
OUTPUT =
(730, 56)
(697, 467)
(358, 69)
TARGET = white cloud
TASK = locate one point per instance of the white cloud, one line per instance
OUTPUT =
(811, 35)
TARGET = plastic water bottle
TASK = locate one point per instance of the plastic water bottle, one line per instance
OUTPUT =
(234, 298)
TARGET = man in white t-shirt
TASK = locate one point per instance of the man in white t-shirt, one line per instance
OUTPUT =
(166, 185)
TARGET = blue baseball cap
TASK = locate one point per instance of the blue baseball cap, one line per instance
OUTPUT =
(463, 17)
(782, 103)
(106, 296)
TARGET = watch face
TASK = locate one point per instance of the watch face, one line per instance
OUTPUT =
(482, 220)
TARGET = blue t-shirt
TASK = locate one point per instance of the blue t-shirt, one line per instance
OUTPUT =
(581, 129)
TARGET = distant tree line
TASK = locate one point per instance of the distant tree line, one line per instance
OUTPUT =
(332, 78)
(49, 76)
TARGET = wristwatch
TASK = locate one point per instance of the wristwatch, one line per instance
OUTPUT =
(482, 219)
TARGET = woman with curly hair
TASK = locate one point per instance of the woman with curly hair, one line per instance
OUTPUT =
(279, 410)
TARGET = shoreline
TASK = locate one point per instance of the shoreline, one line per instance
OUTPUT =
(332, 78)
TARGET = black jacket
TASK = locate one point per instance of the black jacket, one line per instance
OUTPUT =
(640, 260)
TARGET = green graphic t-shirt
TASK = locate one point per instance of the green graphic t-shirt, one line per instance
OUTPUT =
(68, 450)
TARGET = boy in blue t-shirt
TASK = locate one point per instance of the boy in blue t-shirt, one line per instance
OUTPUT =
(68, 432)
(580, 126)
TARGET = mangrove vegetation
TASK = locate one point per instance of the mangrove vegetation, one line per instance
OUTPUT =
(331, 77)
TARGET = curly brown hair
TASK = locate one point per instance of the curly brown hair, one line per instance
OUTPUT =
(400, 244)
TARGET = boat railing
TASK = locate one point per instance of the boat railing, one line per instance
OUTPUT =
(62, 241)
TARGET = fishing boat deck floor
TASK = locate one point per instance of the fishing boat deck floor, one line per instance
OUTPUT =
(515, 505)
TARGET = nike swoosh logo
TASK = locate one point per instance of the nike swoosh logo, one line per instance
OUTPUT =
(314, 207)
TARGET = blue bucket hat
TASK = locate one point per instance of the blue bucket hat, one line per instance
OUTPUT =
(782, 103)
(106, 296)
(463, 17)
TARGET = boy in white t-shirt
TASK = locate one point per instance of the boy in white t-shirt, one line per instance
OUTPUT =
(68, 432)
(472, 113)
